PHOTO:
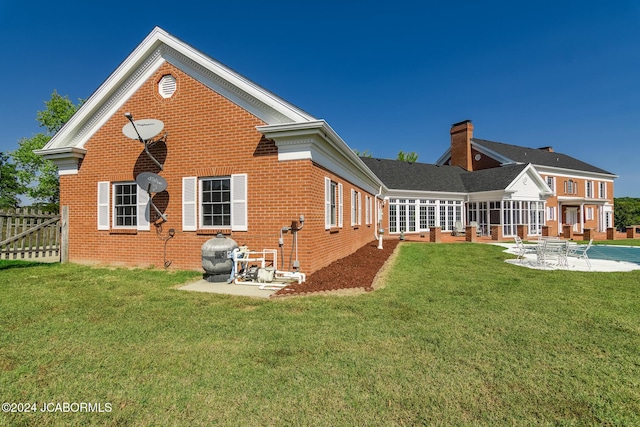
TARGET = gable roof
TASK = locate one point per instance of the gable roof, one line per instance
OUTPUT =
(156, 49)
(491, 179)
(399, 175)
(536, 156)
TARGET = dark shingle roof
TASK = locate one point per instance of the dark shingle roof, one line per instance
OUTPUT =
(399, 175)
(491, 179)
(538, 156)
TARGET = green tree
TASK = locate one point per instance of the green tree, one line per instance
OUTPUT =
(38, 176)
(10, 188)
(411, 157)
(626, 212)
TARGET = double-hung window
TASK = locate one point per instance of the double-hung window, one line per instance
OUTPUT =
(589, 189)
(215, 194)
(218, 202)
(602, 190)
(125, 205)
(122, 205)
(332, 204)
(356, 208)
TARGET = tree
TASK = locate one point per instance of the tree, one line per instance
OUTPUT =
(411, 157)
(365, 153)
(626, 212)
(10, 188)
(38, 176)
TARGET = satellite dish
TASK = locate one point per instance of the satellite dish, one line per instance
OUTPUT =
(144, 128)
(151, 182)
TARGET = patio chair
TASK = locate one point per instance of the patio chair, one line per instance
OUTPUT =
(554, 249)
(580, 252)
(458, 229)
(524, 250)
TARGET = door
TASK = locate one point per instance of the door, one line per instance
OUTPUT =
(572, 218)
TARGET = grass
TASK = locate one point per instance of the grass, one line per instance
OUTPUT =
(456, 337)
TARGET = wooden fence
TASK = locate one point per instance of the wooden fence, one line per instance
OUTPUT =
(29, 234)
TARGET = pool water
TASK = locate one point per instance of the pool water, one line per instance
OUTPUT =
(615, 253)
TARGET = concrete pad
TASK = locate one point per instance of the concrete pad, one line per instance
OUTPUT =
(252, 291)
(574, 264)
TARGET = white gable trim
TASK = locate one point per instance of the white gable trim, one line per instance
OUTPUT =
(529, 175)
(156, 48)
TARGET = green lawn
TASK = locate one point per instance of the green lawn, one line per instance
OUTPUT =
(456, 337)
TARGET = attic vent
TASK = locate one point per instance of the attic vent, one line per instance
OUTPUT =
(167, 86)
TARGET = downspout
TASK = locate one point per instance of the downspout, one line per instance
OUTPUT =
(375, 229)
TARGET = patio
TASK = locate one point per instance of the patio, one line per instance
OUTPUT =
(530, 260)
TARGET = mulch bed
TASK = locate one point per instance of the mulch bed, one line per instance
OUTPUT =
(354, 271)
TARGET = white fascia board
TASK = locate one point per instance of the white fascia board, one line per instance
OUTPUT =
(572, 173)
(318, 142)
(585, 200)
(489, 196)
(442, 160)
(434, 195)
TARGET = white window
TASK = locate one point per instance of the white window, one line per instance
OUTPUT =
(588, 214)
(122, 205)
(551, 213)
(551, 182)
(603, 190)
(570, 187)
(333, 204)
(356, 207)
(588, 189)
(214, 203)
(125, 205)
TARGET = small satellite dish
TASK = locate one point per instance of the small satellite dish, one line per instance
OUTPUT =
(145, 128)
(151, 182)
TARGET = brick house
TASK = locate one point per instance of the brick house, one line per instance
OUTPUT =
(580, 195)
(238, 160)
(496, 184)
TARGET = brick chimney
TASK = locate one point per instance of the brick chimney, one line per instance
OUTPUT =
(549, 149)
(461, 134)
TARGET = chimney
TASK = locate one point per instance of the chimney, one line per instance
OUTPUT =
(549, 149)
(461, 134)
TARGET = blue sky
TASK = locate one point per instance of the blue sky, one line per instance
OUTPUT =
(387, 76)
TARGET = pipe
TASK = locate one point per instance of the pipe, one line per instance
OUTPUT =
(378, 224)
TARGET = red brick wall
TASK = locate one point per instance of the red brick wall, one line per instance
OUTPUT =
(208, 136)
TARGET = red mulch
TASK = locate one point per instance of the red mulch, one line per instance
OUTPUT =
(353, 271)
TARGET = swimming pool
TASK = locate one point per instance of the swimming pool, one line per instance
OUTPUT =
(615, 253)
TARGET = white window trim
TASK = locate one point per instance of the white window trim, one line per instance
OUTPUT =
(106, 211)
(356, 207)
(552, 185)
(191, 193)
(589, 213)
(551, 213)
(602, 190)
